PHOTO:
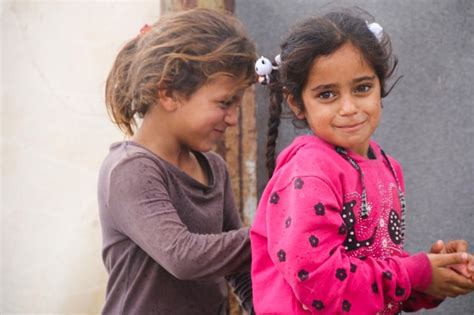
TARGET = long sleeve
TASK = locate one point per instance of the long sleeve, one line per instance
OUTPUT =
(306, 230)
(419, 300)
(144, 211)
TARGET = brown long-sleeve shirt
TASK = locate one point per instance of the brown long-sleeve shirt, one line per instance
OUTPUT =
(168, 240)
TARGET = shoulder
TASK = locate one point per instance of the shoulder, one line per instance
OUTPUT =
(127, 161)
(379, 151)
(310, 157)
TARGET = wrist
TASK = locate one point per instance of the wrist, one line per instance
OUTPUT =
(419, 271)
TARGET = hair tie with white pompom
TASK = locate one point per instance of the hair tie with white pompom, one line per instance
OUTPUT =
(264, 67)
(376, 29)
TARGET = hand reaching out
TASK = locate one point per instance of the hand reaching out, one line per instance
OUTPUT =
(446, 282)
(456, 246)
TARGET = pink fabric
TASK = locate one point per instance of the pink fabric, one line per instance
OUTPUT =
(311, 250)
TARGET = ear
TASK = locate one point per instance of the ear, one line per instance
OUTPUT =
(167, 100)
(295, 108)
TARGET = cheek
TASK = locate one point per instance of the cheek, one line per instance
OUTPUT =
(377, 113)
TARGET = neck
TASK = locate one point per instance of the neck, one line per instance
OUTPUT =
(158, 139)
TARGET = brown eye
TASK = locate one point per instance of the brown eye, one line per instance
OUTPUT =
(326, 95)
(363, 88)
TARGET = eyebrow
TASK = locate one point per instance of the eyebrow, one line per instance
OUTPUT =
(331, 85)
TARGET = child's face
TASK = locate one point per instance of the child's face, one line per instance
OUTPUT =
(204, 117)
(342, 103)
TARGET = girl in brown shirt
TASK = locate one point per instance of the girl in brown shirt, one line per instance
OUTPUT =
(171, 232)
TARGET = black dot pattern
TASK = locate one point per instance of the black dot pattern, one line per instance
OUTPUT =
(274, 198)
(319, 305)
(341, 274)
(319, 209)
(353, 268)
(394, 227)
(346, 306)
(303, 275)
(288, 222)
(387, 275)
(313, 240)
(399, 291)
(375, 287)
(342, 229)
(298, 183)
(281, 255)
(351, 242)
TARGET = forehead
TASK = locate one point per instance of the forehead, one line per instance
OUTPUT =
(345, 63)
(225, 85)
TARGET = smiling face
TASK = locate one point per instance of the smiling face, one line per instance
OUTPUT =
(342, 102)
(204, 117)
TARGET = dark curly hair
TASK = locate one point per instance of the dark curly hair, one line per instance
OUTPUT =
(321, 36)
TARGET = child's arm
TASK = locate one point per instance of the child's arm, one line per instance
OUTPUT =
(144, 211)
(419, 300)
(305, 241)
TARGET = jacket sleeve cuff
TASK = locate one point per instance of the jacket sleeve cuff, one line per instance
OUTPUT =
(418, 267)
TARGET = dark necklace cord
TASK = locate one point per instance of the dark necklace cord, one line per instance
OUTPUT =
(364, 212)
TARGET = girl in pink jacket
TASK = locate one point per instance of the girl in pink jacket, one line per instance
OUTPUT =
(329, 230)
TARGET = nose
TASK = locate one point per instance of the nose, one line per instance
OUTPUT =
(348, 106)
(232, 115)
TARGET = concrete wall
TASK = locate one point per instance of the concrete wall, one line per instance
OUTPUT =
(55, 56)
(428, 121)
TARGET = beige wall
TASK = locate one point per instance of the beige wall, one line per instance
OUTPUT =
(54, 135)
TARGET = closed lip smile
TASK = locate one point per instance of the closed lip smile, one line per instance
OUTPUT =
(352, 126)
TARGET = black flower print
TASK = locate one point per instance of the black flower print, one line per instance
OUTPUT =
(342, 229)
(346, 306)
(281, 255)
(313, 240)
(303, 275)
(332, 251)
(341, 274)
(399, 291)
(274, 198)
(375, 287)
(353, 267)
(387, 275)
(394, 227)
(288, 222)
(362, 257)
(298, 183)
(319, 305)
(351, 242)
(319, 209)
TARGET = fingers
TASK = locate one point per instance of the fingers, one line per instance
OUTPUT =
(457, 246)
(447, 283)
(444, 260)
(470, 267)
(437, 247)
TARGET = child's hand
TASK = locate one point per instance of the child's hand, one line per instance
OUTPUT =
(456, 246)
(446, 282)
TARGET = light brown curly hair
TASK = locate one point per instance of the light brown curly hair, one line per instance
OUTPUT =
(177, 54)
